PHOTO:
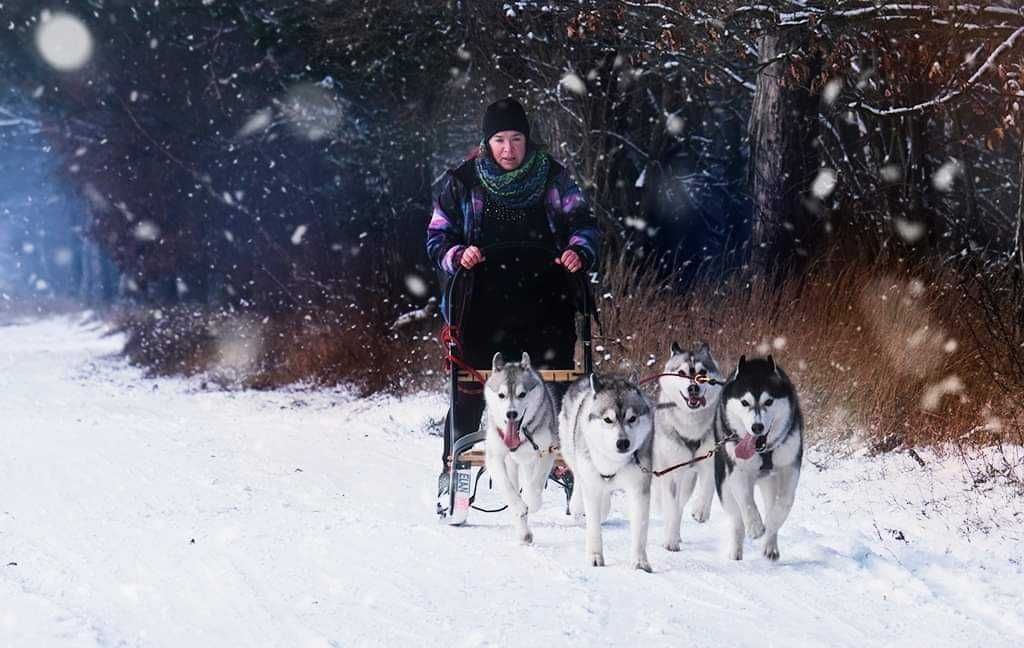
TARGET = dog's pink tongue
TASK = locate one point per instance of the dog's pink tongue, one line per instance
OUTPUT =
(745, 448)
(511, 436)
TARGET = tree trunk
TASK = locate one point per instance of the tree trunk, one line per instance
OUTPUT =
(1018, 241)
(782, 129)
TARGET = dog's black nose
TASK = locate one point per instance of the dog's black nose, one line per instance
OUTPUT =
(622, 445)
(757, 428)
(511, 415)
(693, 390)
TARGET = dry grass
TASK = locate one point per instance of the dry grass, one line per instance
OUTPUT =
(875, 348)
(882, 352)
(237, 350)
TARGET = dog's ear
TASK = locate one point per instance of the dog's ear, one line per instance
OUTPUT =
(595, 383)
(703, 350)
(771, 364)
(739, 367)
(498, 362)
(525, 362)
(676, 349)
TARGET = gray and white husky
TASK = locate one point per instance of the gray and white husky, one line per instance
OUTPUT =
(606, 430)
(521, 436)
(759, 418)
(684, 430)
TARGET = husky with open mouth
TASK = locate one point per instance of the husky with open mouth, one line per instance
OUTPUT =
(522, 433)
(760, 423)
(689, 389)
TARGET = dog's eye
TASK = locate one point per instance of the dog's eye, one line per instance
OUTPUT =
(501, 396)
(744, 403)
(631, 419)
(521, 395)
(768, 403)
(608, 420)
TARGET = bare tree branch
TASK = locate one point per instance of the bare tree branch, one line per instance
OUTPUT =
(947, 96)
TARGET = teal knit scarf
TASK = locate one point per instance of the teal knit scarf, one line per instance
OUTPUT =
(518, 188)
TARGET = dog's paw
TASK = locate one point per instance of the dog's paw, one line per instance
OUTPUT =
(596, 560)
(702, 513)
(755, 529)
(736, 553)
(672, 545)
(643, 565)
(771, 551)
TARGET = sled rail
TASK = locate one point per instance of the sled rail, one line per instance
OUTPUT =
(549, 375)
(476, 457)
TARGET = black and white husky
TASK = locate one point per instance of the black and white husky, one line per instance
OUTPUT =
(684, 430)
(759, 419)
(606, 430)
(521, 436)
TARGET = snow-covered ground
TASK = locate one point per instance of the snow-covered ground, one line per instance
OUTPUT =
(155, 513)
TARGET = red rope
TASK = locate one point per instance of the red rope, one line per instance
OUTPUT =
(450, 338)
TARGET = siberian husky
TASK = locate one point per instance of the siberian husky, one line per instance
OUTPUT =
(760, 423)
(521, 436)
(606, 431)
(683, 431)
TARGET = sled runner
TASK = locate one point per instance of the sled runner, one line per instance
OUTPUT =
(466, 469)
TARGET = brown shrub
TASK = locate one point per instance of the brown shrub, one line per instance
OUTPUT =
(875, 347)
(233, 349)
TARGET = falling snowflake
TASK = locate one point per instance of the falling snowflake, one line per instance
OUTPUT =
(63, 256)
(147, 231)
(573, 83)
(256, 122)
(416, 286)
(909, 231)
(674, 124)
(891, 173)
(933, 394)
(63, 41)
(831, 91)
(947, 173)
(824, 183)
(299, 232)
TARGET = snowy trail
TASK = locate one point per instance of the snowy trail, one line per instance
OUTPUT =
(313, 525)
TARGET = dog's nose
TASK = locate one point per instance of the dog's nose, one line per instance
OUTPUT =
(757, 428)
(693, 390)
(622, 445)
(511, 415)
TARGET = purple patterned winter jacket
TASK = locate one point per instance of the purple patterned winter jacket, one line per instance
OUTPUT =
(458, 210)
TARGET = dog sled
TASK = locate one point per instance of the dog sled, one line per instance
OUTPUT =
(467, 477)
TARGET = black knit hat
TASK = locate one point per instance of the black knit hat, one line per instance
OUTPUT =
(507, 114)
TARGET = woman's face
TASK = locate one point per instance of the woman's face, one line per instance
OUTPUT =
(508, 148)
